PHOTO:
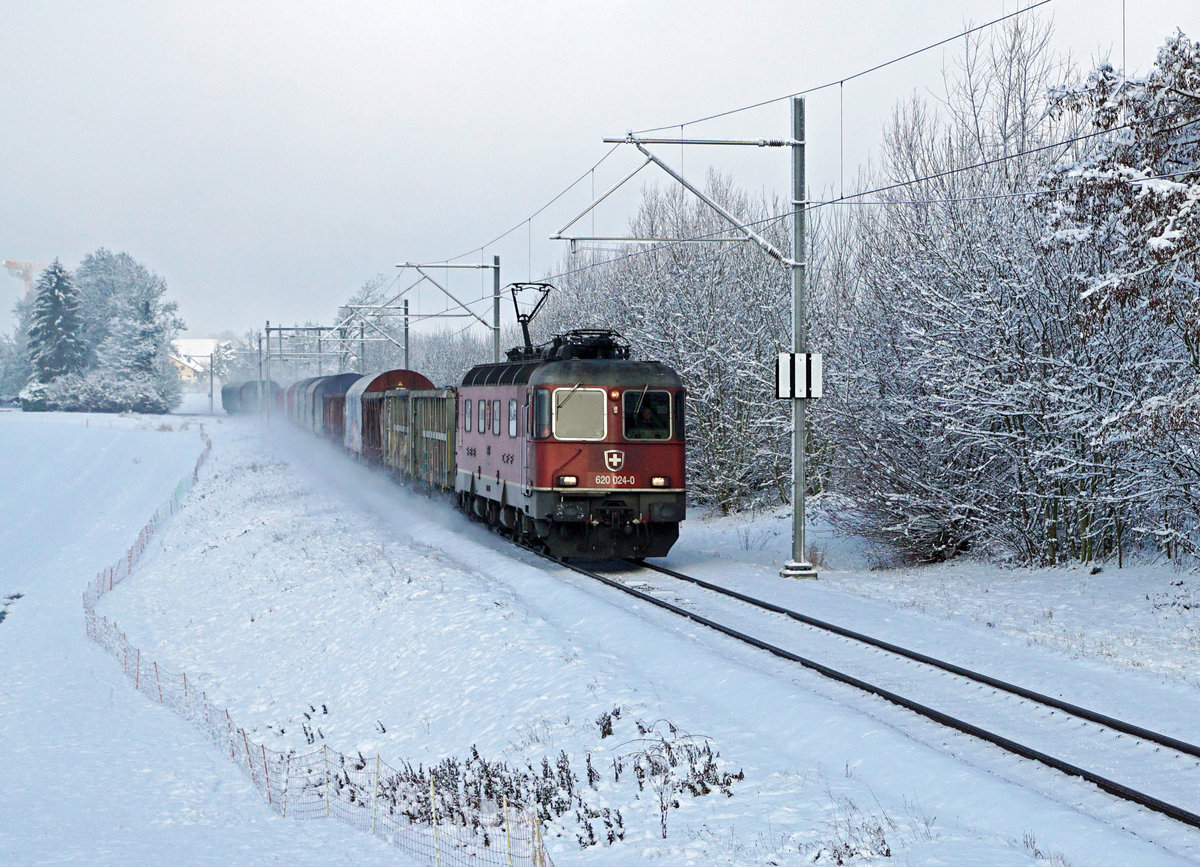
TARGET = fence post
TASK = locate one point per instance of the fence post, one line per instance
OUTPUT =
(267, 775)
(158, 681)
(137, 678)
(287, 779)
(507, 831)
(437, 851)
(375, 797)
(249, 761)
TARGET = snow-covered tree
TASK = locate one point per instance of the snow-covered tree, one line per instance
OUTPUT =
(129, 328)
(1130, 211)
(54, 345)
(14, 363)
(962, 402)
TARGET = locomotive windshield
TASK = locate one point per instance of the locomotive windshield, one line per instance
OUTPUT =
(579, 413)
(647, 415)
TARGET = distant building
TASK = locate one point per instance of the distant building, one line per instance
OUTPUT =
(192, 356)
(189, 369)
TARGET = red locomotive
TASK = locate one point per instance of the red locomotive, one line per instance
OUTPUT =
(575, 447)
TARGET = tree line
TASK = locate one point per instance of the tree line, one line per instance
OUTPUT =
(97, 339)
(1011, 331)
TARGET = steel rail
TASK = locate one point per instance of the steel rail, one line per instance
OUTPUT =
(1112, 787)
(1073, 709)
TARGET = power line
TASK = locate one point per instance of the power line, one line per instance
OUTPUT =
(527, 220)
(990, 196)
(561, 193)
(842, 81)
(989, 162)
(847, 200)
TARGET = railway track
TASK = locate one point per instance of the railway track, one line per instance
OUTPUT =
(1119, 757)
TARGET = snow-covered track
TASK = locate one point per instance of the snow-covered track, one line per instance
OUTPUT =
(1113, 723)
(1145, 747)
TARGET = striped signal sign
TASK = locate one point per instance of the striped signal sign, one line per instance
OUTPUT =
(798, 376)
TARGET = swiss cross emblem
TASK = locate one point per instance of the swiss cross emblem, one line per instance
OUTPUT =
(614, 459)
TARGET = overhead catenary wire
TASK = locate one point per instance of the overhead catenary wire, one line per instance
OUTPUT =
(518, 225)
(849, 200)
(839, 82)
(843, 199)
(844, 79)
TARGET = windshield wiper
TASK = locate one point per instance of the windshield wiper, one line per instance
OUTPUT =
(574, 389)
(641, 397)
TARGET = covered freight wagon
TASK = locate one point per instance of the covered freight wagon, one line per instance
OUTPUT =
(255, 394)
(312, 399)
(363, 410)
(419, 435)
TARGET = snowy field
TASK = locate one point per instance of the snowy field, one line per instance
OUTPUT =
(92, 772)
(325, 605)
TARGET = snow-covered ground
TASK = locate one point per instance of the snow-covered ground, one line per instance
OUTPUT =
(91, 772)
(325, 605)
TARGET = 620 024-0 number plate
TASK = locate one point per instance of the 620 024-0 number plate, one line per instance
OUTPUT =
(607, 480)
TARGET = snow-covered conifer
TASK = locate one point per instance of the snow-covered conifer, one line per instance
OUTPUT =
(54, 346)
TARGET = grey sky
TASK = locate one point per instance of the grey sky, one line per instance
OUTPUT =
(266, 158)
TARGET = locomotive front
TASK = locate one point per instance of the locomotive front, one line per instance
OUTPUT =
(608, 436)
(593, 464)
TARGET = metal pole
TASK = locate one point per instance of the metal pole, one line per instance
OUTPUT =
(496, 308)
(210, 385)
(406, 367)
(260, 374)
(319, 356)
(362, 348)
(798, 566)
(267, 383)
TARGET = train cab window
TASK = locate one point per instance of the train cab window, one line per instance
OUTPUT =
(496, 417)
(579, 413)
(647, 414)
(680, 430)
(512, 418)
(467, 415)
(541, 413)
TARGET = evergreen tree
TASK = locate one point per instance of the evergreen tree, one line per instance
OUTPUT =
(128, 329)
(54, 344)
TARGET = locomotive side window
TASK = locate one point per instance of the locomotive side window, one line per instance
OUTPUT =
(467, 415)
(579, 413)
(680, 430)
(496, 417)
(483, 426)
(541, 413)
(647, 415)
(512, 418)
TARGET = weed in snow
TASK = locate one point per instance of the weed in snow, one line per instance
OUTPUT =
(1056, 859)
(8, 600)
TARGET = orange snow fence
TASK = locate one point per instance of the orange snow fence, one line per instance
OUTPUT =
(364, 792)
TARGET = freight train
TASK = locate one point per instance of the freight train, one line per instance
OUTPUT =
(570, 447)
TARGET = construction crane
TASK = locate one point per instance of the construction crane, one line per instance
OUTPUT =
(23, 271)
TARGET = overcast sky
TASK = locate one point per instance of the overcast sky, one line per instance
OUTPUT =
(266, 158)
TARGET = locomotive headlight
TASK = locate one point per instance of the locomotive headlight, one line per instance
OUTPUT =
(659, 481)
(614, 394)
(568, 481)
